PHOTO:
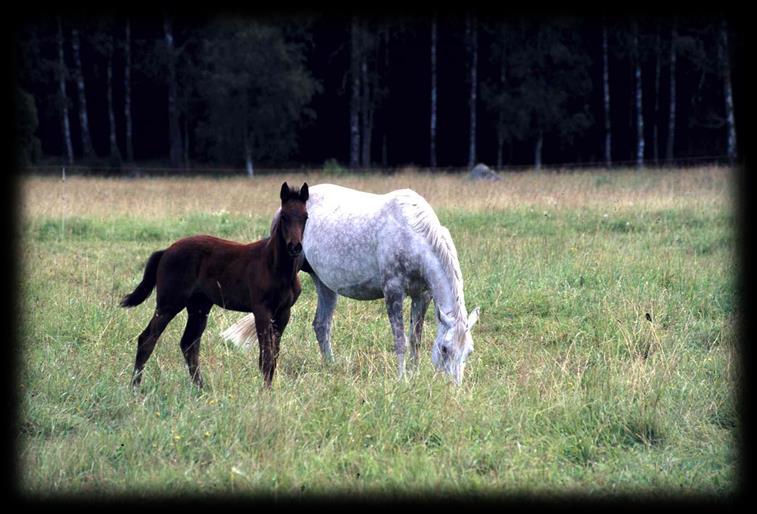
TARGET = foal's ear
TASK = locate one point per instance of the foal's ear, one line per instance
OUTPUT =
(472, 318)
(284, 192)
(304, 192)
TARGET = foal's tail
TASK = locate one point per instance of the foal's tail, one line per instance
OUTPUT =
(145, 287)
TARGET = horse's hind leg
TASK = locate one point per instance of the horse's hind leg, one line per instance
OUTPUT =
(148, 338)
(417, 314)
(197, 319)
(324, 313)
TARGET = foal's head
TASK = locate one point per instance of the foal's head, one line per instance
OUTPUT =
(292, 217)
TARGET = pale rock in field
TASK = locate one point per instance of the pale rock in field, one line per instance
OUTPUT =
(482, 172)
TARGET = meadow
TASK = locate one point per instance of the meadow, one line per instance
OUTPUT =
(606, 356)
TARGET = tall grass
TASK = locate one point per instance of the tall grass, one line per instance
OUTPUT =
(605, 357)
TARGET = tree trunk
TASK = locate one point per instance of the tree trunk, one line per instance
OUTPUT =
(86, 140)
(174, 134)
(385, 35)
(248, 158)
(639, 107)
(113, 153)
(472, 33)
(656, 120)
(537, 150)
(672, 115)
(500, 146)
(366, 111)
(63, 99)
(728, 94)
(384, 152)
(432, 149)
(127, 94)
(355, 95)
(185, 125)
(606, 90)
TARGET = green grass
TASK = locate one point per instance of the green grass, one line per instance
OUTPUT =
(570, 388)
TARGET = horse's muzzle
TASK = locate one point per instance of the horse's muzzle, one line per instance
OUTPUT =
(294, 249)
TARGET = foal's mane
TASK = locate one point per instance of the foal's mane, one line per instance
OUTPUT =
(423, 220)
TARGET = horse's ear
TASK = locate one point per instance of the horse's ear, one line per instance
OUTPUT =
(284, 191)
(444, 318)
(472, 318)
(304, 195)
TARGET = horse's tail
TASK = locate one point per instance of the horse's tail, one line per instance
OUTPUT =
(242, 333)
(145, 287)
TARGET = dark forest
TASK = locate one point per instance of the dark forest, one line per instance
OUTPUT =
(231, 93)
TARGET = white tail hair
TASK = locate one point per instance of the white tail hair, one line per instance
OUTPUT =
(242, 333)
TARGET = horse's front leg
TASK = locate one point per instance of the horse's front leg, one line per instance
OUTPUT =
(280, 322)
(418, 310)
(264, 328)
(393, 296)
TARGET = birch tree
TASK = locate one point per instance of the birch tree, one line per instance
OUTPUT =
(81, 88)
(62, 73)
(174, 135)
(606, 96)
(354, 93)
(727, 92)
(672, 111)
(471, 38)
(656, 122)
(127, 92)
(114, 153)
(432, 127)
(638, 96)
(367, 92)
(104, 42)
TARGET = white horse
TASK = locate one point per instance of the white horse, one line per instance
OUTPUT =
(368, 246)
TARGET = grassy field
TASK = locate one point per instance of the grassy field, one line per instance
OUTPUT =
(571, 388)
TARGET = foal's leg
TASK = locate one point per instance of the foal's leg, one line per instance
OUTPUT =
(280, 322)
(324, 313)
(149, 337)
(264, 327)
(417, 314)
(197, 319)
(393, 296)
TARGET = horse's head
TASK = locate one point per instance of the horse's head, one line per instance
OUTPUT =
(453, 343)
(292, 217)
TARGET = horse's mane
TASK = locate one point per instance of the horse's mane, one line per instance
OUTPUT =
(423, 220)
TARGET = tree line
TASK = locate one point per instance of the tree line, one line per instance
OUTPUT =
(244, 92)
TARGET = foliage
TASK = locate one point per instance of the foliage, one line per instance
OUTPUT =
(255, 87)
(543, 83)
(333, 167)
(553, 78)
(28, 148)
